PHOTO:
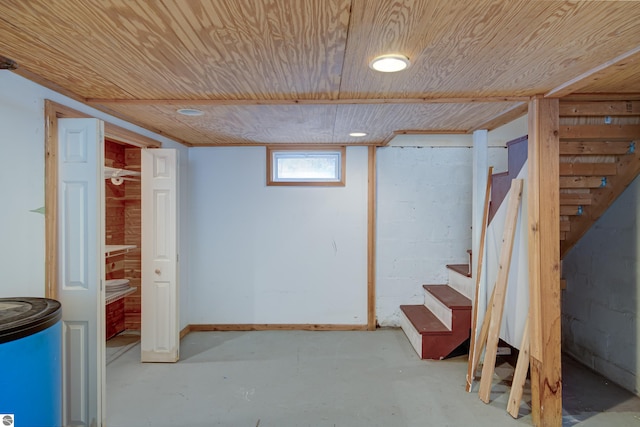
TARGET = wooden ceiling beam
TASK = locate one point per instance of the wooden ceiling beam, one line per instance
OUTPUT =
(48, 84)
(430, 132)
(510, 114)
(350, 101)
(597, 73)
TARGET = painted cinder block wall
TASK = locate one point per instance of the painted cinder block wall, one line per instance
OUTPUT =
(423, 220)
(600, 303)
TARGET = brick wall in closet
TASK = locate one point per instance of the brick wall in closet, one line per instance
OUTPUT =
(114, 157)
(132, 236)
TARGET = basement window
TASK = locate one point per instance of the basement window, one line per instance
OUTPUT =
(296, 166)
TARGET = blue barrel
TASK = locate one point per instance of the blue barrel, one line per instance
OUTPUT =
(30, 362)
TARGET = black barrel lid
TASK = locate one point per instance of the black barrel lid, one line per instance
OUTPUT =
(21, 317)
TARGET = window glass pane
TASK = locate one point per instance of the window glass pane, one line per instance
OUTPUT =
(318, 166)
(308, 166)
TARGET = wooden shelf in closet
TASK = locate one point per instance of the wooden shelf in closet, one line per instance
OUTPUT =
(112, 250)
(126, 198)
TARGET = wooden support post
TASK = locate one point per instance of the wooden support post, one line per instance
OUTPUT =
(500, 290)
(544, 262)
(471, 369)
(520, 374)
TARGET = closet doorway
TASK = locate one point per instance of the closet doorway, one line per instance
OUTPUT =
(123, 247)
(76, 253)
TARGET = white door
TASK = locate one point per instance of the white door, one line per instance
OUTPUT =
(81, 269)
(160, 335)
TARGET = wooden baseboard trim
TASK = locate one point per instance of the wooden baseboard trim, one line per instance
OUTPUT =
(185, 331)
(275, 327)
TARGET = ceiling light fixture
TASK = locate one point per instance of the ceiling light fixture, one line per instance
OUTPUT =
(190, 112)
(389, 63)
(358, 134)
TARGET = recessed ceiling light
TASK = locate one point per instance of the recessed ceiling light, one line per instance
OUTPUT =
(358, 134)
(389, 63)
(190, 112)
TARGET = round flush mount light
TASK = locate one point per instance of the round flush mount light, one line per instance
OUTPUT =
(358, 134)
(190, 112)
(389, 63)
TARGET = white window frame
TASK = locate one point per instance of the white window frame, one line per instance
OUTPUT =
(276, 153)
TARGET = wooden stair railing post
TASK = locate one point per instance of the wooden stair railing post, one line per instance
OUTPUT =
(500, 289)
(471, 369)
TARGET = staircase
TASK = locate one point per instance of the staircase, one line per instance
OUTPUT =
(443, 322)
(597, 163)
(599, 157)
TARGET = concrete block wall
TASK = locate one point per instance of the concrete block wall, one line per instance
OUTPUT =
(423, 220)
(600, 304)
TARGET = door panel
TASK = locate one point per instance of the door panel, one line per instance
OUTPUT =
(160, 340)
(81, 269)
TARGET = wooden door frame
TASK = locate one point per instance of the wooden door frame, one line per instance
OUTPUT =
(52, 112)
(371, 239)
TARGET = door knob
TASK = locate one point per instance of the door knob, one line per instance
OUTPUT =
(158, 271)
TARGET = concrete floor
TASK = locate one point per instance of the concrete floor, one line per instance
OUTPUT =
(120, 344)
(332, 379)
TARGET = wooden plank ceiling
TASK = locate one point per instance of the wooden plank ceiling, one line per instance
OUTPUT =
(291, 71)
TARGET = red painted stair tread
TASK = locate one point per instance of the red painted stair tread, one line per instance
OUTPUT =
(460, 268)
(449, 296)
(424, 321)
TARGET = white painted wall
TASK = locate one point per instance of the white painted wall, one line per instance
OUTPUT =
(275, 255)
(600, 305)
(241, 267)
(22, 189)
